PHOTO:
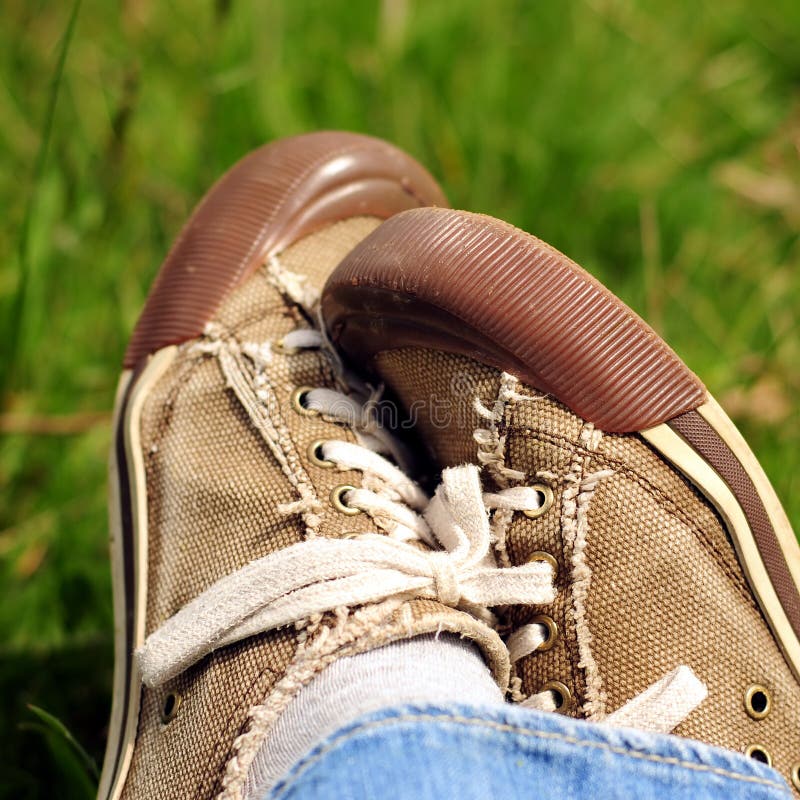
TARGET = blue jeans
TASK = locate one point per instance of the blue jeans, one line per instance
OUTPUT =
(512, 753)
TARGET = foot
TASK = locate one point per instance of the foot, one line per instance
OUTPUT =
(602, 455)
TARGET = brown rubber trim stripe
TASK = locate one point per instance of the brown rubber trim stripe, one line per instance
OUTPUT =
(474, 285)
(272, 197)
(705, 440)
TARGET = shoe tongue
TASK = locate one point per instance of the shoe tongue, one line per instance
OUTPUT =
(315, 256)
(437, 390)
(300, 270)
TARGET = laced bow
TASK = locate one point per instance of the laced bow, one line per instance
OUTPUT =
(322, 574)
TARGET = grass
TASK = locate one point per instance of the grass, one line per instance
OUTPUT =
(657, 144)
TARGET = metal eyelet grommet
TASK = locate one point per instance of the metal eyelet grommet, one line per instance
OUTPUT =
(315, 454)
(562, 695)
(546, 493)
(759, 753)
(757, 701)
(298, 396)
(337, 499)
(795, 775)
(552, 631)
(547, 558)
(169, 707)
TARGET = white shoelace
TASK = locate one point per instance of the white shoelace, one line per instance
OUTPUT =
(457, 566)
(660, 708)
(320, 575)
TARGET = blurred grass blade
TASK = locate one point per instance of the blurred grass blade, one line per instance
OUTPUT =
(14, 318)
(71, 756)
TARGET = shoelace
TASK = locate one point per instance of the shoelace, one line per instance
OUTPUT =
(456, 567)
(321, 574)
(660, 708)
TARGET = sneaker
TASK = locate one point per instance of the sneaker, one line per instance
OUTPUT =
(252, 492)
(602, 455)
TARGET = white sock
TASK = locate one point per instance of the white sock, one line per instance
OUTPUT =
(424, 669)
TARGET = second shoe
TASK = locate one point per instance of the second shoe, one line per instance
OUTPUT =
(670, 546)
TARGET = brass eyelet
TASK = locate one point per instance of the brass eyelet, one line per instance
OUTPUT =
(547, 501)
(757, 701)
(759, 753)
(169, 708)
(297, 402)
(547, 558)
(563, 696)
(338, 501)
(314, 453)
(552, 631)
(795, 775)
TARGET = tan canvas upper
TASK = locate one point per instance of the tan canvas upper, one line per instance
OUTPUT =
(647, 577)
(221, 493)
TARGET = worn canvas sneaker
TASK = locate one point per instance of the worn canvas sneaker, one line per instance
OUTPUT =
(670, 546)
(257, 511)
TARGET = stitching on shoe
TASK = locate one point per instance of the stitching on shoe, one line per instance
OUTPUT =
(569, 638)
(187, 370)
(318, 646)
(323, 749)
(295, 287)
(352, 632)
(238, 728)
(283, 307)
(492, 452)
(622, 468)
(255, 318)
(576, 497)
(669, 505)
(256, 393)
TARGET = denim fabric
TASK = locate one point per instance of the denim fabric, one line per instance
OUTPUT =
(512, 753)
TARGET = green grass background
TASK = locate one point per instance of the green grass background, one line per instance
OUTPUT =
(656, 143)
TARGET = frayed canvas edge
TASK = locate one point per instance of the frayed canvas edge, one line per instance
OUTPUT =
(352, 633)
(577, 497)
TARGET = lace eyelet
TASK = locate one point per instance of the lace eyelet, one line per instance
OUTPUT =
(546, 494)
(563, 696)
(757, 701)
(759, 753)
(547, 558)
(314, 453)
(169, 708)
(338, 502)
(298, 395)
(795, 775)
(552, 632)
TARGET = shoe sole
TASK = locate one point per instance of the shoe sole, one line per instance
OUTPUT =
(271, 198)
(473, 285)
